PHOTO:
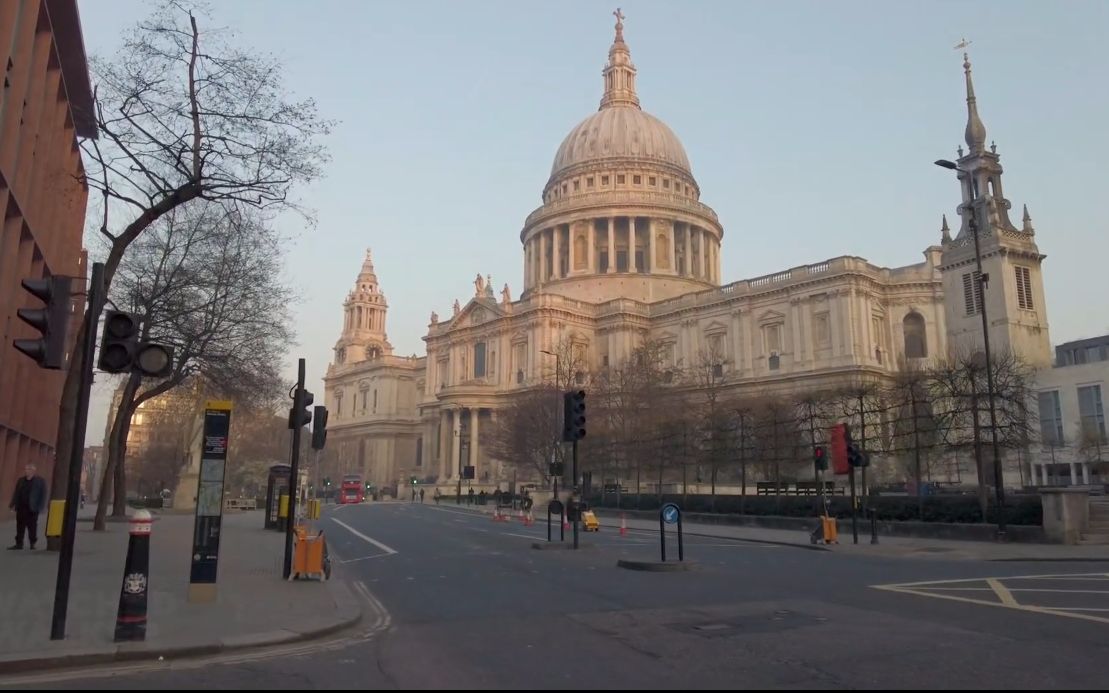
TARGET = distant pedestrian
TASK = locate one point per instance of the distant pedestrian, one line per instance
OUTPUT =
(437, 496)
(28, 500)
(471, 495)
(421, 495)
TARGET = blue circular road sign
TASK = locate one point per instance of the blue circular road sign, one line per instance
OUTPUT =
(670, 513)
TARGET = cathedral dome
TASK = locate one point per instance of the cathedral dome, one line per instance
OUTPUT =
(620, 132)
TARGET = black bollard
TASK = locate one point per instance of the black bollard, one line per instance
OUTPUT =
(131, 618)
(873, 526)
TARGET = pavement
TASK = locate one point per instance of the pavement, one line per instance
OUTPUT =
(458, 601)
(254, 607)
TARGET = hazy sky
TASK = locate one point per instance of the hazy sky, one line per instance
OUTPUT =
(811, 127)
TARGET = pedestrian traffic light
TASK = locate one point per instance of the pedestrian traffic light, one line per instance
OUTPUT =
(52, 321)
(415, 481)
(301, 414)
(573, 416)
(555, 469)
(121, 351)
(820, 458)
(319, 427)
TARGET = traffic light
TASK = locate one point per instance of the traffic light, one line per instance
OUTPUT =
(121, 351)
(327, 481)
(415, 481)
(319, 427)
(820, 458)
(51, 321)
(301, 414)
(573, 404)
(556, 469)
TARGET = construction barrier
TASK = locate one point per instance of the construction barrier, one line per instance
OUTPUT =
(310, 557)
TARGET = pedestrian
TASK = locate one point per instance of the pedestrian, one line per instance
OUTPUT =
(471, 495)
(28, 500)
(421, 495)
(437, 496)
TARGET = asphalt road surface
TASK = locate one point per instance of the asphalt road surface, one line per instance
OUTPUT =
(455, 600)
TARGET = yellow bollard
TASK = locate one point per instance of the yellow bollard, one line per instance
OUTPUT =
(283, 506)
(55, 518)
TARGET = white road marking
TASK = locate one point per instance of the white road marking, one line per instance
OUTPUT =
(387, 549)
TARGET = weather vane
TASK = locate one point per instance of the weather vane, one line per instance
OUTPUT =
(962, 44)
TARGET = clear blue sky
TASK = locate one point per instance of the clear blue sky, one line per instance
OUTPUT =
(811, 127)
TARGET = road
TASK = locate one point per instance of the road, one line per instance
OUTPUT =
(455, 600)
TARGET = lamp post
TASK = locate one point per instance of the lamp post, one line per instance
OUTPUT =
(972, 221)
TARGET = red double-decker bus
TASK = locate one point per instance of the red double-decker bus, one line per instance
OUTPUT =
(352, 490)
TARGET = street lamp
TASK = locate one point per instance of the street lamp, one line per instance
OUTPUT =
(558, 365)
(972, 221)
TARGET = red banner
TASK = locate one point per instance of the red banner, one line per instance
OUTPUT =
(838, 436)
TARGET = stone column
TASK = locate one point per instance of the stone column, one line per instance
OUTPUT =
(688, 250)
(569, 249)
(556, 253)
(590, 261)
(632, 264)
(611, 245)
(456, 440)
(542, 256)
(674, 247)
(651, 259)
(1073, 474)
(1085, 473)
(1043, 473)
(527, 264)
(704, 254)
(444, 445)
(475, 416)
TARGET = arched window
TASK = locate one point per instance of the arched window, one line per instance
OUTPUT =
(580, 257)
(916, 343)
(662, 251)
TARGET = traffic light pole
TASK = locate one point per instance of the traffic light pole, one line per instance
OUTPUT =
(294, 472)
(576, 495)
(81, 419)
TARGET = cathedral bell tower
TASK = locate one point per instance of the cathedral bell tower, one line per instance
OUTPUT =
(364, 313)
(1013, 292)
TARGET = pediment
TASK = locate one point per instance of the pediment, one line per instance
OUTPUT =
(772, 316)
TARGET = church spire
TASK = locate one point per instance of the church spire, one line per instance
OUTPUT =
(976, 131)
(367, 273)
(1027, 222)
(945, 231)
(619, 72)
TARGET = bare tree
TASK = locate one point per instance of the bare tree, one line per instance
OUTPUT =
(208, 283)
(815, 412)
(168, 423)
(186, 117)
(961, 407)
(864, 406)
(708, 376)
(528, 431)
(909, 396)
(777, 439)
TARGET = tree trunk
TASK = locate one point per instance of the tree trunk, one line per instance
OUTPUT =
(117, 451)
(106, 482)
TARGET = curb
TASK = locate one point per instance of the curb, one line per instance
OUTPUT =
(137, 652)
(657, 566)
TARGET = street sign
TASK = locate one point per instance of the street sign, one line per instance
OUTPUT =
(209, 502)
(670, 513)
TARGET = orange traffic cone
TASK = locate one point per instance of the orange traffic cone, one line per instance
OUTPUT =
(528, 519)
(623, 525)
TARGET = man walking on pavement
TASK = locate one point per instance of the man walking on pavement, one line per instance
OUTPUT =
(28, 500)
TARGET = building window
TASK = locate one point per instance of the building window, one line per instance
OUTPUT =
(604, 180)
(419, 452)
(972, 293)
(363, 400)
(916, 346)
(519, 360)
(652, 181)
(637, 180)
(603, 260)
(621, 261)
(716, 349)
(1090, 409)
(479, 360)
(666, 183)
(1024, 288)
(577, 185)
(338, 406)
(774, 362)
(589, 182)
(375, 402)
(772, 338)
(640, 261)
(620, 178)
(1051, 419)
(564, 189)
(822, 330)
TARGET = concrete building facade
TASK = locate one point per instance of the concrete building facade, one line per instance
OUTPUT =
(45, 105)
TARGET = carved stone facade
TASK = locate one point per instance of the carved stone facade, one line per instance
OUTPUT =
(622, 249)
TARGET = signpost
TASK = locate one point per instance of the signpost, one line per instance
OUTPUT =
(209, 502)
(670, 514)
(555, 508)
